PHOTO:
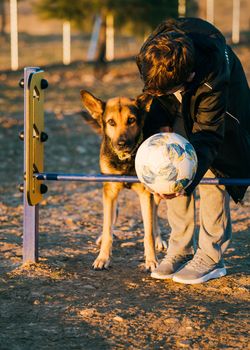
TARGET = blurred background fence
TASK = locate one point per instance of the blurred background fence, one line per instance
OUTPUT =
(45, 32)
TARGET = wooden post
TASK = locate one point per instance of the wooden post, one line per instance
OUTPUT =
(13, 35)
(109, 37)
(210, 11)
(31, 213)
(236, 22)
(181, 8)
(66, 43)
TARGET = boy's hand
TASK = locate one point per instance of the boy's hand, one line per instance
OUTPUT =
(170, 196)
(165, 196)
(166, 129)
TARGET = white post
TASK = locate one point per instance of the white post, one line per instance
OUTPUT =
(13, 35)
(236, 22)
(109, 37)
(210, 11)
(181, 8)
(66, 43)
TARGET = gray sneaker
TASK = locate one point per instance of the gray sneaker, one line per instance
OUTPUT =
(198, 270)
(169, 265)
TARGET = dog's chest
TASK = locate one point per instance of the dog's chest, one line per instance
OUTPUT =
(125, 167)
(127, 185)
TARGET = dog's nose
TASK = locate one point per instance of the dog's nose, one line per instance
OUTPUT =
(121, 142)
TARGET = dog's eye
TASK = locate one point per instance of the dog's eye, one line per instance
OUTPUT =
(111, 122)
(131, 120)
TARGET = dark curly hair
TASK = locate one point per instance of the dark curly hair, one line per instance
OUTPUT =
(165, 60)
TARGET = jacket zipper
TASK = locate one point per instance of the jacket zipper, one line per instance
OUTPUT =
(237, 120)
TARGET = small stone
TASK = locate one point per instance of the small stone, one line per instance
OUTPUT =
(87, 312)
(125, 228)
(81, 149)
(128, 244)
(88, 286)
(118, 319)
(184, 343)
(69, 222)
(171, 320)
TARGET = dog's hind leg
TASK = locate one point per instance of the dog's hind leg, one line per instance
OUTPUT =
(110, 194)
(160, 244)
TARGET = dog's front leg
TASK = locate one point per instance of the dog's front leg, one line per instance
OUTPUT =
(110, 193)
(146, 201)
(115, 216)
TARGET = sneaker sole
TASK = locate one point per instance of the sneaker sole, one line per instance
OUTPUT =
(161, 277)
(217, 273)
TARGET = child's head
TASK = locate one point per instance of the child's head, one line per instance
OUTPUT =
(165, 62)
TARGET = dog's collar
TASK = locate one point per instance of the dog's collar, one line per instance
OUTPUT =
(127, 155)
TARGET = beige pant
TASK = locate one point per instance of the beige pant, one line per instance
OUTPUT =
(215, 230)
(215, 224)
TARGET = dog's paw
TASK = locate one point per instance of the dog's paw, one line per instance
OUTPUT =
(151, 264)
(101, 263)
(160, 244)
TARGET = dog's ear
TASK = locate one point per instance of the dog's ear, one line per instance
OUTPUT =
(144, 101)
(93, 105)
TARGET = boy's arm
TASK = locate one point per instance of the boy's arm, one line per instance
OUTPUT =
(157, 119)
(208, 131)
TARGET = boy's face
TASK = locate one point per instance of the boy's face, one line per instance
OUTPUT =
(158, 93)
(179, 88)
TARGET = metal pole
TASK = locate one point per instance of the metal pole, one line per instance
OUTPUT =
(66, 43)
(236, 22)
(210, 11)
(94, 39)
(31, 213)
(13, 35)
(130, 179)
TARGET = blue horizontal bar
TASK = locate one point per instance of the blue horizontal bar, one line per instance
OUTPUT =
(130, 179)
(86, 177)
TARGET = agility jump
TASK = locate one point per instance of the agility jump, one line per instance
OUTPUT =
(34, 176)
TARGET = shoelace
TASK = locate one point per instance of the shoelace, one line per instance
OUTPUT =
(174, 258)
(199, 264)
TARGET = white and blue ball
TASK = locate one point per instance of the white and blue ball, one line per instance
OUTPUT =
(166, 163)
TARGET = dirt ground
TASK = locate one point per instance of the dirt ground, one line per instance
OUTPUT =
(61, 302)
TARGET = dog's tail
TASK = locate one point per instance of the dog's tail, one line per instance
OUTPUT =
(90, 121)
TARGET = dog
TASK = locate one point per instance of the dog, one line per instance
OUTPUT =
(121, 122)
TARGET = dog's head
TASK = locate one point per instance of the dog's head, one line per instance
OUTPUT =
(121, 120)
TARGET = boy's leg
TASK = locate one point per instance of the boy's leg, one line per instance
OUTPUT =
(215, 221)
(214, 236)
(181, 218)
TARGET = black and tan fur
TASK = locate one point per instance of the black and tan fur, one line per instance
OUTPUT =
(121, 121)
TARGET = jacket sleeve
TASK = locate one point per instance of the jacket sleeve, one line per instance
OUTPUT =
(208, 131)
(158, 116)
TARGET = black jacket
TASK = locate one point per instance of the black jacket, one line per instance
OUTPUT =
(215, 106)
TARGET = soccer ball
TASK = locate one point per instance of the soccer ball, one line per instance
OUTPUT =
(166, 163)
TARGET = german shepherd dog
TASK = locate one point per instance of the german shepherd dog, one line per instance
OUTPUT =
(121, 122)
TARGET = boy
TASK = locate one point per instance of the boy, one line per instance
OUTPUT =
(199, 85)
